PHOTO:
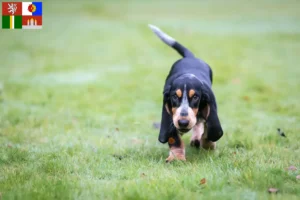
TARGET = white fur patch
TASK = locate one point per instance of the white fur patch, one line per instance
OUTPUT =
(198, 131)
(163, 36)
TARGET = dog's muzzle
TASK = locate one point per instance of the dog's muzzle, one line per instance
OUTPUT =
(183, 124)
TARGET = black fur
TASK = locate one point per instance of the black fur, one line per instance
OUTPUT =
(195, 74)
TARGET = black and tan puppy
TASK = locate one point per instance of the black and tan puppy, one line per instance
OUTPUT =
(188, 102)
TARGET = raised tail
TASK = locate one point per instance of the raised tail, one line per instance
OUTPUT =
(184, 52)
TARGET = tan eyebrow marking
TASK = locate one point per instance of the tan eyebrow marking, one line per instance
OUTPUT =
(179, 93)
(174, 110)
(191, 93)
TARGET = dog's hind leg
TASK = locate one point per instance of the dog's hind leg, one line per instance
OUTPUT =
(199, 137)
(177, 150)
(205, 143)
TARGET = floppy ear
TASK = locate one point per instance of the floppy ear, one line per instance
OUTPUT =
(166, 126)
(214, 128)
(209, 112)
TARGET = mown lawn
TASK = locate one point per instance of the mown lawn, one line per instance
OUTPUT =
(78, 100)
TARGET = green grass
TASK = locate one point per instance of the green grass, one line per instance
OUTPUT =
(78, 99)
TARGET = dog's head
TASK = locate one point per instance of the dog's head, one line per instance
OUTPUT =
(186, 100)
(182, 102)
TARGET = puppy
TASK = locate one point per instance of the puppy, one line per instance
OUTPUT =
(188, 102)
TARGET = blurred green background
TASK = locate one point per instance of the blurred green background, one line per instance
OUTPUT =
(79, 97)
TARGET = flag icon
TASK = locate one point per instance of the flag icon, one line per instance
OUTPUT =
(11, 8)
(31, 22)
(12, 22)
(22, 15)
(32, 8)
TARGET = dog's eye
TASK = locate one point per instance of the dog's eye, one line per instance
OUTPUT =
(195, 97)
(174, 97)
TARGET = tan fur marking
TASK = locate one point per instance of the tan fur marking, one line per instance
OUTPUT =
(191, 93)
(195, 110)
(174, 109)
(179, 93)
(206, 111)
(167, 108)
(171, 140)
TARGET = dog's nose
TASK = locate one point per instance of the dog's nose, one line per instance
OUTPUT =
(184, 114)
(183, 122)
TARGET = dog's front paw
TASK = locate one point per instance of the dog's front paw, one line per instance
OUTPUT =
(171, 158)
(176, 154)
(195, 143)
